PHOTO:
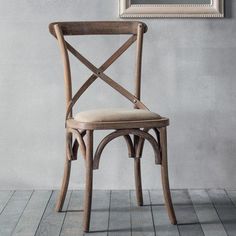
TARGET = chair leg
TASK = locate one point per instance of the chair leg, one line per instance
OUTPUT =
(165, 178)
(138, 181)
(89, 180)
(65, 183)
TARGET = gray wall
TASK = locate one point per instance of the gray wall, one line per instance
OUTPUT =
(188, 74)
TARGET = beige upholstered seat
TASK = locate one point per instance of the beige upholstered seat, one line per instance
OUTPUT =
(115, 114)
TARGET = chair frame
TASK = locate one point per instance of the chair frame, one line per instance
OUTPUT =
(79, 135)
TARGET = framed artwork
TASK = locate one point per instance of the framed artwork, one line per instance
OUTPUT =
(171, 8)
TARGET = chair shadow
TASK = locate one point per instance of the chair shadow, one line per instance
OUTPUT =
(149, 228)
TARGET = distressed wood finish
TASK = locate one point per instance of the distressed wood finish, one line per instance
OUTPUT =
(79, 135)
(119, 133)
(64, 186)
(88, 180)
(97, 27)
(164, 176)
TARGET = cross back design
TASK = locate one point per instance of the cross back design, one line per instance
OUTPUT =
(98, 72)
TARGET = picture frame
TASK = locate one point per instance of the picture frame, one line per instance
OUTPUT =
(143, 9)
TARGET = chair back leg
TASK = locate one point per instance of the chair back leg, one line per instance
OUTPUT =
(164, 175)
(65, 183)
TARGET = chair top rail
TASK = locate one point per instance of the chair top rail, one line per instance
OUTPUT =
(97, 27)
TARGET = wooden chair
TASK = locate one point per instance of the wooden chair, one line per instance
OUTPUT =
(125, 122)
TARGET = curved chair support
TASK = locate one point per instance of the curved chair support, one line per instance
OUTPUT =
(75, 148)
(140, 145)
(119, 133)
(130, 145)
(80, 141)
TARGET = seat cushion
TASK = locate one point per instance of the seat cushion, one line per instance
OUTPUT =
(115, 115)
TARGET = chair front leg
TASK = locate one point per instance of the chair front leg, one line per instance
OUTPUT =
(164, 175)
(137, 172)
(88, 181)
(66, 177)
(138, 181)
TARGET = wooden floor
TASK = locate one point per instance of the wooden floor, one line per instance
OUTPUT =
(199, 212)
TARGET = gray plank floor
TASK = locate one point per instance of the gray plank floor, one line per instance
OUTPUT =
(200, 212)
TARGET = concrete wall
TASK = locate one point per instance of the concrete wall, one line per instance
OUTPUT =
(188, 75)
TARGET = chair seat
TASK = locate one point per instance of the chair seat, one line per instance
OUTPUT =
(116, 118)
(115, 115)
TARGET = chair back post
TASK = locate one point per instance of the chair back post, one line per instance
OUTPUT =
(138, 66)
(66, 65)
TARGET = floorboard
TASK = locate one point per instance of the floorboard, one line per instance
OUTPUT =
(13, 211)
(30, 219)
(119, 221)
(232, 195)
(141, 217)
(188, 223)
(161, 220)
(74, 216)
(100, 213)
(206, 213)
(225, 209)
(51, 222)
(4, 198)
(199, 212)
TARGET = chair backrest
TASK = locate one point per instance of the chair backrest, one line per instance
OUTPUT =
(134, 28)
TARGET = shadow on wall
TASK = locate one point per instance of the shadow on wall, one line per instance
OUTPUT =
(228, 9)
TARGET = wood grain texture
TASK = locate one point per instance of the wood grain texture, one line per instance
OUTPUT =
(102, 68)
(161, 220)
(165, 176)
(31, 217)
(52, 221)
(88, 180)
(97, 27)
(121, 132)
(13, 211)
(120, 222)
(64, 185)
(138, 128)
(206, 213)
